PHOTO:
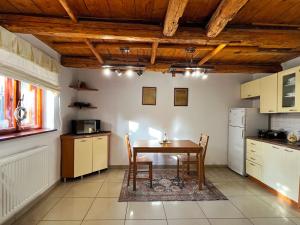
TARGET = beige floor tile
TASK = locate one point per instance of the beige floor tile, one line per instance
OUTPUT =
(188, 222)
(38, 211)
(110, 190)
(69, 209)
(84, 190)
(61, 189)
(222, 175)
(272, 221)
(107, 208)
(145, 222)
(281, 206)
(220, 209)
(233, 189)
(296, 220)
(60, 222)
(116, 175)
(183, 210)
(145, 210)
(94, 178)
(252, 206)
(230, 222)
(104, 222)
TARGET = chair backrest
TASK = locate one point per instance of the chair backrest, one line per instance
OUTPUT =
(204, 143)
(128, 145)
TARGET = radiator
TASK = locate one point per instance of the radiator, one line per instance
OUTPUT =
(23, 177)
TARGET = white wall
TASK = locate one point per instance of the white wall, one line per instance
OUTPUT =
(120, 109)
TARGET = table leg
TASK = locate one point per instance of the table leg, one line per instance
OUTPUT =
(188, 165)
(200, 171)
(134, 170)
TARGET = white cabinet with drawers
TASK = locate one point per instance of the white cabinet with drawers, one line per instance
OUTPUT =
(274, 165)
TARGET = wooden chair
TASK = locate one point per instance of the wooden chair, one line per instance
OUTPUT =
(140, 161)
(187, 160)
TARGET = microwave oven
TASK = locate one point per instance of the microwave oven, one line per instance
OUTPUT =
(85, 126)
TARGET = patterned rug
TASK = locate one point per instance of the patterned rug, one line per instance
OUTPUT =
(167, 187)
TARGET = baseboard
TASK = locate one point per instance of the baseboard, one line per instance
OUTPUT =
(26, 208)
(291, 202)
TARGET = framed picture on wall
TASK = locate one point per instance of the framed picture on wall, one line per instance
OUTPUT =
(181, 96)
(149, 96)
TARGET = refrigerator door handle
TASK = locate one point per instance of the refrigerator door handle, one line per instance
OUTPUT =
(243, 133)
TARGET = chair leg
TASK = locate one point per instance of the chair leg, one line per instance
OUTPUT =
(150, 174)
(128, 178)
(177, 167)
(203, 168)
(188, 165)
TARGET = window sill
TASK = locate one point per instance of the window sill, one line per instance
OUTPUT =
(6, 137)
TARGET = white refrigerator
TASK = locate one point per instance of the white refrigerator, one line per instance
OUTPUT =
(243, 122)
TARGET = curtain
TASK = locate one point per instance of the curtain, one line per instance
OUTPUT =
(22, 61)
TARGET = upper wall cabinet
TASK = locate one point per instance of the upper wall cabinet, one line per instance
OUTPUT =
(250, 89)
(289, 90)
(268, 94)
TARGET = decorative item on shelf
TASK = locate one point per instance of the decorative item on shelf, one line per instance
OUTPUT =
(292, 137)
(20, 113)
(82, 86)
(81, 105)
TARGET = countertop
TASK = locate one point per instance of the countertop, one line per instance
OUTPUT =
(74, 136)
(279, 142)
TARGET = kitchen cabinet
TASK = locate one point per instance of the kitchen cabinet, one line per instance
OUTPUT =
(250, 89)
(268, 94)
(289, 90)
(84, 154)
(276, 166)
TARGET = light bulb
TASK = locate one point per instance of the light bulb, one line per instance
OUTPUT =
(129, 73)
(204, 76)
(107, 72)
(187, 73)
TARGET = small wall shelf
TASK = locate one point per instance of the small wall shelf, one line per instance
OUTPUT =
(83, 88)
(83, 107)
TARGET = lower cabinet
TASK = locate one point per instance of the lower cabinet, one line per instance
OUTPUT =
(82, 155)
(277, 166)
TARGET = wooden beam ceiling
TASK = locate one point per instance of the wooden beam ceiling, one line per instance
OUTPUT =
(84, 62)
(92, 48)
(224, 13)
(68, 9)
(174, 12)
(58, 27)
(211, 54)
(153, 52)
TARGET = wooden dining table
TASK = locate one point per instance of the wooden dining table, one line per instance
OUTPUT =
(173, 146)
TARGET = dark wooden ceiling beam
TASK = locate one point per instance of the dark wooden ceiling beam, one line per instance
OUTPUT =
(153, 52)
(212, 54)
(265, 38)
(225, 12)
(174, 12)
(68, 9)
(95, 52)
(89, 62)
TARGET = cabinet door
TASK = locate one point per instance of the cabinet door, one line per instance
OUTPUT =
(250, 89)
(83, 156)
(100, 153)
(272, 165)
(268, 94)
(289, 90)
(290, 180)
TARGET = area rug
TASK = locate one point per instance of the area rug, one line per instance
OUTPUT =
(167, 187)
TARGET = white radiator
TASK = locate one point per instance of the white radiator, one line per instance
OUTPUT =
(23, 177)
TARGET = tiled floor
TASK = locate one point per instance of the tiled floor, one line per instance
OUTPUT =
(94, 201)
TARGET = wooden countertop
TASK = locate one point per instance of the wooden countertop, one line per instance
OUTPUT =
(279, 142)
(74, 136)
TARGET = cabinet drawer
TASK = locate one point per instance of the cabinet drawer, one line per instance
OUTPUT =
(254, 147)
(253, 169)
(251, 156)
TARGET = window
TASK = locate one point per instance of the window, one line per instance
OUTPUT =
(10, 93)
